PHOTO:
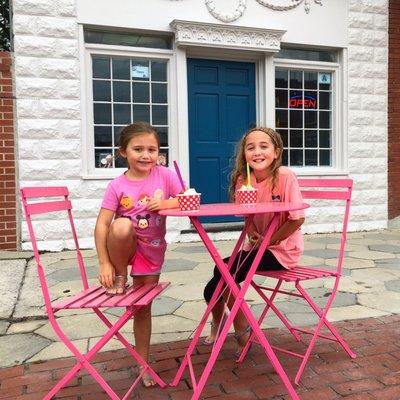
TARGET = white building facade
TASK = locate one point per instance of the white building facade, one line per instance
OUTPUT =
(202, 72)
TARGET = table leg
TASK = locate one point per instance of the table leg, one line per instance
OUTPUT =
(240, 303)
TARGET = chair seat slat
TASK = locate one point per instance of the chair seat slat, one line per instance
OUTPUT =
(297, 273)
(153, 293)
(73, 300)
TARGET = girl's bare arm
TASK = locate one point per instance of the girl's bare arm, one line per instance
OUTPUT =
(289, 227)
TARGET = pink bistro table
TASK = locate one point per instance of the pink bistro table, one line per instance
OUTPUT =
(238, 293)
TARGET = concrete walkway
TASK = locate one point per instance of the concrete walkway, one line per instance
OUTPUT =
(370, 288)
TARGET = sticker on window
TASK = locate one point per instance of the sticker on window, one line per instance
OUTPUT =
(140, 71)
(324, 78)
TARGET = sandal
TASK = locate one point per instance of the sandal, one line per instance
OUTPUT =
(119, 286)
(209, 340)
(242, 338)
(147, 380)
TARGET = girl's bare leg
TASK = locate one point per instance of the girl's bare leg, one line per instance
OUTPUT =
(142, 327)
(217, 314)
(121, 246)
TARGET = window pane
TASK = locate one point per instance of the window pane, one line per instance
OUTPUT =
(324, 81)
(100, 156)
(324, 119)
(311, 139)
(325, 139)
(310, 100)
(281, 98)
(141, 113)
(296, 157)
(117, 131)
(101, 90)
(281, 78)
(159, 93)
(128, 39)
(163, 133)
(160, 115)
(296, 138)
(310, 55)
(325, 157)
(120, 69)
(159, 71)
(140, 70)
(296, 119)
(101, 67)
(102, 113)
(311, 157)
(284, 136)
(285, 157)
(102, 136)
(296, 99)
(120, 162)
(325, 100)
(296, 79)
(310, 119)
(121, 92)
(281, 119)
(140, 92)
(310, 80)
(122, 113)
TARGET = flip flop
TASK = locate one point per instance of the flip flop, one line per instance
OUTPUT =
(238, 337)
(119, 287)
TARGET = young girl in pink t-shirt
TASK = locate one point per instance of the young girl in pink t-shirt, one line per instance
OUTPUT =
(129, 230)
(262, 149)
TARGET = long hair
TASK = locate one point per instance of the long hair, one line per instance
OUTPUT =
(240, 163)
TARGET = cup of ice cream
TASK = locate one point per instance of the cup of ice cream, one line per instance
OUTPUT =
(247, 195)
(189, 200)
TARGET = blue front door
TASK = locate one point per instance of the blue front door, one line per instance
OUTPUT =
(222, 106)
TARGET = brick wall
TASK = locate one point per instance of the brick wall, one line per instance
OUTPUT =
(8, 225)
(393, 111)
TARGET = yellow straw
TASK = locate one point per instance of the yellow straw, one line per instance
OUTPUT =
(248, 174)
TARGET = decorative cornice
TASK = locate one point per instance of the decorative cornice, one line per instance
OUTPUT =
(191, 33)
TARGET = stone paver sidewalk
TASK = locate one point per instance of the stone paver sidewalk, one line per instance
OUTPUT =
(370, 288)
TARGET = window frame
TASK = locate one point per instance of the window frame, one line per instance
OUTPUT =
(91, 49)
(339, 116)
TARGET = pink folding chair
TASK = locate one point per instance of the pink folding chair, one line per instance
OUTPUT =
(41, 200)
(326, 190)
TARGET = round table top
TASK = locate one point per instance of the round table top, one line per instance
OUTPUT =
(209, 210)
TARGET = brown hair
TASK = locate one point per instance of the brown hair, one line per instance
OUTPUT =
(240, 163)
(136, 129)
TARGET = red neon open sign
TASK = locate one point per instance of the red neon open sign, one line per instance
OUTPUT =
(300, 102)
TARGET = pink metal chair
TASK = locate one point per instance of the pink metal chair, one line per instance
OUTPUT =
(326, 190)
(40, 200)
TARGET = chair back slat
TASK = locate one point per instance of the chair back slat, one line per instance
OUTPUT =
(337, 183)
(49, 206)
(50, 191)
(325, 194)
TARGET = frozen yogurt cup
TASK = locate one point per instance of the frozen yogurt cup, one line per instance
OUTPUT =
(247, 195)
(189, 200)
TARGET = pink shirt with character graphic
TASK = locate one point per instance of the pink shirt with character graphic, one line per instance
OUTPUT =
(289, 250)
(129, 199)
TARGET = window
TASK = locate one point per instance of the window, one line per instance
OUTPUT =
(303, 116)
(128, 80)
(125, 90)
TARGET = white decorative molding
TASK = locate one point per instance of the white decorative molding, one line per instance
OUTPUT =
(191, 33)
(294, 4)
(227, 17)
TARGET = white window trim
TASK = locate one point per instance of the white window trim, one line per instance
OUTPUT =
(89, 49)
(339, 117)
